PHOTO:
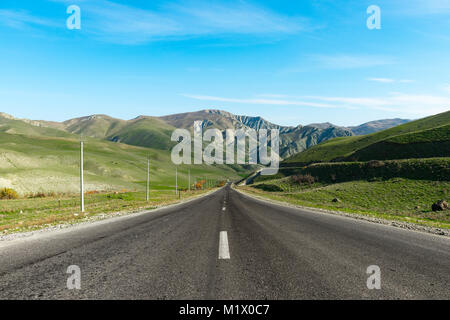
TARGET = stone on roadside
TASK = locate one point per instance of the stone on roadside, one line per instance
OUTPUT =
(440, 205)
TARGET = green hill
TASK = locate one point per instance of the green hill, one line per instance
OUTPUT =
(431, 132)
(95, 126)
(145, 132)
(142, 131)
(428, 143)
(11, 125)
(34, 158)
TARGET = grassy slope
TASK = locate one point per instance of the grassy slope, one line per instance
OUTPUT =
(40, 163)
(428, 143)
(441, 133)
(345, 147)
(20, 127)
(145, 132)
(396, 198)
(97, 126)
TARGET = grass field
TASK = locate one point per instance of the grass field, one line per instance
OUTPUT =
(35, 213)
(395, 199)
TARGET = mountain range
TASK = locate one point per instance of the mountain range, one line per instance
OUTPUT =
(155, 132)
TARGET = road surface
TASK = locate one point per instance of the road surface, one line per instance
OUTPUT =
(227, 246)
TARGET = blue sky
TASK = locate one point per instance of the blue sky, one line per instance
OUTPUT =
(291, 62)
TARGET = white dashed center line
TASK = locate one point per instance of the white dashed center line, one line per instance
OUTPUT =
(224, 251)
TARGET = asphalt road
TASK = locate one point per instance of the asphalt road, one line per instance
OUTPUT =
(227, 246)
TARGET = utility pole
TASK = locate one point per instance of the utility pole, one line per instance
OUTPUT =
(148, 178)
(176, 180)
(189, 174)
(81, 177)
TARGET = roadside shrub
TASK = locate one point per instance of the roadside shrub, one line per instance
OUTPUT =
(303, 179)
(199, 184)
(7, 193)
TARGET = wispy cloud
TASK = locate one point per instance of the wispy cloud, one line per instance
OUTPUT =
(421, 7)
(382, 80)
(234, 17)
(21, 19)
(273, 95)
(389, 80)
(414, 104)
(344, 61)
(279, 102)
(310, 62)
(120, 23)
(400, 103)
